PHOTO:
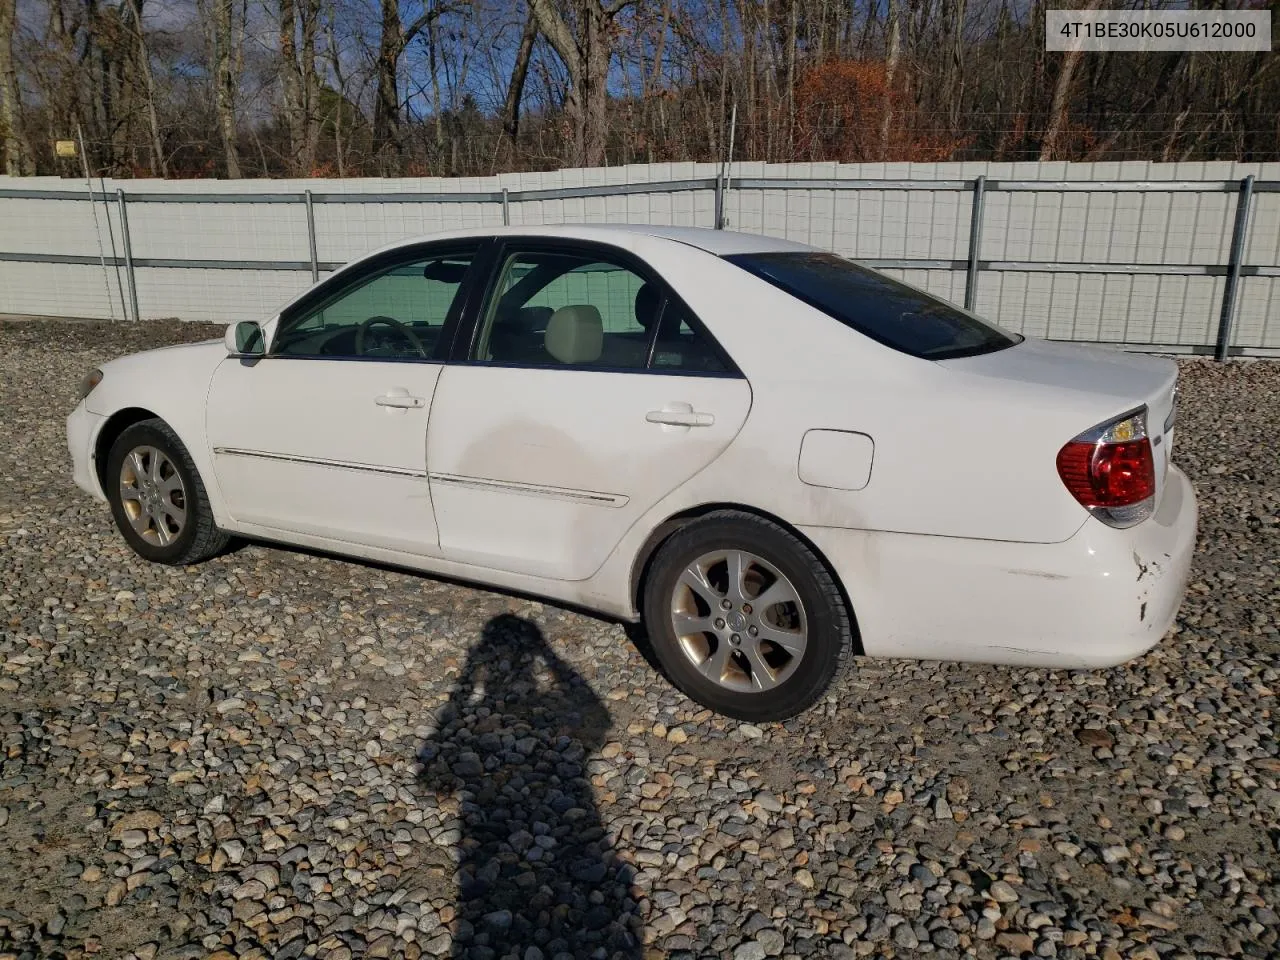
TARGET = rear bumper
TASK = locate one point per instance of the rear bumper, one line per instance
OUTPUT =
(1098, 599)
(82, 436)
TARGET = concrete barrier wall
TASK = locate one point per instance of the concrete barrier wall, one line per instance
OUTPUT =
(1130, 239)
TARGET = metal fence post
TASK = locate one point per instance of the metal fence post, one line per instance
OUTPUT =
(506, 209)
(1233, 269)
(128, 254)
(722, 184)
(311, 236)
(975, 242)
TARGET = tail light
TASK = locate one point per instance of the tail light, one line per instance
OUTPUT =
(1111, 470)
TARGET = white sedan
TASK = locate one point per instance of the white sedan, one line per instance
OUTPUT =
(772, 456)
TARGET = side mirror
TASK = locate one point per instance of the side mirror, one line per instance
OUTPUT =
(245, 339)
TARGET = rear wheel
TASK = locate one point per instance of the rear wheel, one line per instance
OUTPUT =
(744, 618)
(157, 497)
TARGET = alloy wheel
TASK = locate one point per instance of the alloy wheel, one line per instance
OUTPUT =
(739, 620)
(153, 496)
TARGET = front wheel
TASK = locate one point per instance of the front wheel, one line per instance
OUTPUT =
(744, 618)
(157, 497)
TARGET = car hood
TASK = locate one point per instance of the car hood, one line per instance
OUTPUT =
(181, 353)
(197, 345)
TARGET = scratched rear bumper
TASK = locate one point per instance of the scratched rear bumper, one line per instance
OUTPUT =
(1098, 599)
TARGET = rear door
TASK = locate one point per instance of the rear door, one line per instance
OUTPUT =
(585, 392)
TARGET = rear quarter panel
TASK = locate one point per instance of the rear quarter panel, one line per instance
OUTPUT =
(956, 455)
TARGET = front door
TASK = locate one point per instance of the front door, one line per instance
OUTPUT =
(588, 393)
(326, 435)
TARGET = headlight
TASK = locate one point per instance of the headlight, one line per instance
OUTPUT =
(88, 383)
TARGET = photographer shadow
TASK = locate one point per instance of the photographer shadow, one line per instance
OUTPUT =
(535, 868)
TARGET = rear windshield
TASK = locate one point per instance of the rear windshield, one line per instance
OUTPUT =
(897, 315)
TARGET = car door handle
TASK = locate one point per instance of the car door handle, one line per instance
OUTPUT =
(672, 417)
(401, 399)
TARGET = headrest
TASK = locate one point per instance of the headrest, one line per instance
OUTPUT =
(646, 307)
(575, 334)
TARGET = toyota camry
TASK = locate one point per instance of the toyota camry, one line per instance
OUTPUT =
(772, 456)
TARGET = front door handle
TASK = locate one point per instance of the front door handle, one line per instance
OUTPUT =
(680, 415)
(400, 398)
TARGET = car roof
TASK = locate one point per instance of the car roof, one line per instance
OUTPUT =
(718, 242)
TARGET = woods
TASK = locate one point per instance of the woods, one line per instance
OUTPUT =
(232, 88)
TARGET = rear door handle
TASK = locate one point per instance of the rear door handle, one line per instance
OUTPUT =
(680, 415)
(400, 398)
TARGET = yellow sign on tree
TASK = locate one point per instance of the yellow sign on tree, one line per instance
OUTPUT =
(64, 148)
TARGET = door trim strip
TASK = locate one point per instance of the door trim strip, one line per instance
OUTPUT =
(321, 462)
(533, 490)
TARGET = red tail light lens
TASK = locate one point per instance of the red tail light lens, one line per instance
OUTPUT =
(1111, 470)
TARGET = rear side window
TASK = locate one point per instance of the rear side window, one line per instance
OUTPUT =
(894, 313)
(564, 308)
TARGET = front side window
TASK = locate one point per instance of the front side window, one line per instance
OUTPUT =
(396, 314)
(894, 313)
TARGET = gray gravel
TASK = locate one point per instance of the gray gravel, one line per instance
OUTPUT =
(277, 754)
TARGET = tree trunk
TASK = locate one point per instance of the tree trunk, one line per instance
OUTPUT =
(792, 43)
(65, 102)
(893, 49)
(335, 61)
(17, 153)
(291, 84)
(437, 116)
(224, 84)
(596, 93)
(386, 109)
(587, 59)
(955, 66)
(310, 87)
(519, 72)
(144, 63)
(659, 45)
(1061, 92)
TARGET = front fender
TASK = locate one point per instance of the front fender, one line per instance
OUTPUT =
(171, 383)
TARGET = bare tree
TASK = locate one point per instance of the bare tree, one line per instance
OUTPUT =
(1061, 92)
(225, 82)
(17, 153)
(310, 11)
(159, 163)
(893, 50)
(477, 86)
(586, 53)
(394, 37)
(519, 72)
(299, 81)
(291, 82)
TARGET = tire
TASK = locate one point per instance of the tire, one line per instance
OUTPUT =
(147, 510)
(724, 658)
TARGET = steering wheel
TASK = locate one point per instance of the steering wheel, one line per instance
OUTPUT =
(395, 325)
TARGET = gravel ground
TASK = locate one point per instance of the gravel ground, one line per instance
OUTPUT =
(278, 754)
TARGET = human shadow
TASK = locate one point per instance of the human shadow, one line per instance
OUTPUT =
(535, 866)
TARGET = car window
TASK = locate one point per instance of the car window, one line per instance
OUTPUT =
(397, 314)
(896, 314)
(553, 308)
(564, 309)
(680, 347)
